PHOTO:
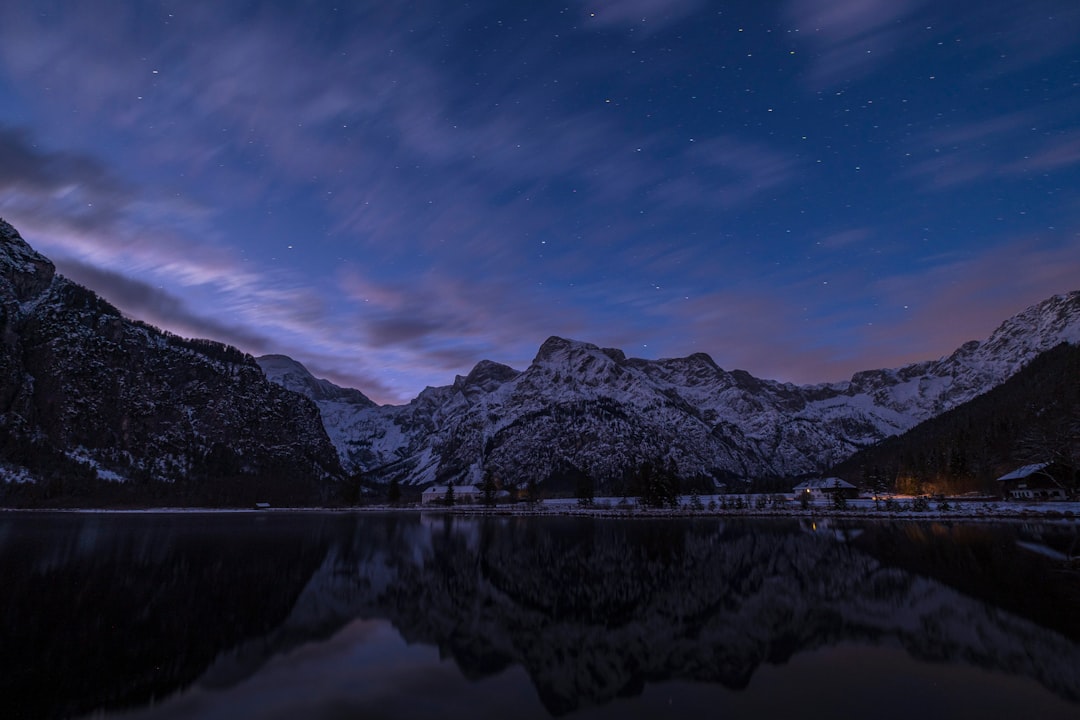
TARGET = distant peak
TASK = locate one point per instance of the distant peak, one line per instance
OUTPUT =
(615, 354)
(293, 375)
(555, 345)
(276, 358)
(1065, 302)
(1053, 320)
(488, 371)
(700, 357)
(280, 363)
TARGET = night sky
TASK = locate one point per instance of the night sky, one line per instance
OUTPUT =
(392, 191)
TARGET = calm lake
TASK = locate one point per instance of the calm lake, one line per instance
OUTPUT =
(337, 615)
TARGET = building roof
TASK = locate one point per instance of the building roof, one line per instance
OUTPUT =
(831, 483)
(1024, 472)
(441, 489)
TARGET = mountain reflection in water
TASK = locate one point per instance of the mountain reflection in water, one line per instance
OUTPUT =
(338, 615)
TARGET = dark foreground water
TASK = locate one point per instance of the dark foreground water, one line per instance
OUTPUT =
(368, 616)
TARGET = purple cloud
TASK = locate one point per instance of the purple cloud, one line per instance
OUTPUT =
(157, 307)
(975, 292)
(439, 316)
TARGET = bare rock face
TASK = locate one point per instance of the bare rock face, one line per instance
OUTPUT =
(98, 408)
(24, 273)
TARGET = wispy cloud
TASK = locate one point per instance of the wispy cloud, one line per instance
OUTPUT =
(644, 16)
(72, 184)
(726, 171)
(1058, 152)
(1018, 40)
(850, 38)
(847, 238)
(435, 313)
(1005, 146)
(377, 135)
(442, 207)
(158, 307)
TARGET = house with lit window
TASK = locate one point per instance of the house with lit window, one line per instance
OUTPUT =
(816, 488)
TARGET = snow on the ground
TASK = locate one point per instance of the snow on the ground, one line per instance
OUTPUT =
(857, 509)
(713, 505)
(15, 475)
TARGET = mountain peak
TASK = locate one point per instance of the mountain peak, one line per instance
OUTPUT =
(1056, 316)
(489, 374)
(555, 347)
(703, 358)
(1026, 334)
(292, 375)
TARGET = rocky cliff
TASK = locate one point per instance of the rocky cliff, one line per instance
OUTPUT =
(96, 407)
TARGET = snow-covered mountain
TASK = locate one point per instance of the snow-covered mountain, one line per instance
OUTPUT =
(579, 408)
(291, 375)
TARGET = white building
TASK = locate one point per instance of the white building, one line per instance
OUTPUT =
(824, 488)
(464, 494)
(1034, 482)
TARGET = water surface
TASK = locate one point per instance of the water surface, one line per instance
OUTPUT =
(337, 615)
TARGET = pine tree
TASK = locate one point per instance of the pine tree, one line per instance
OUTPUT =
(488, 489)
(839, 499)
(585, 489)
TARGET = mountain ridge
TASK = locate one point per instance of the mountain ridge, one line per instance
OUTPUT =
(88, 396)
(582, 408)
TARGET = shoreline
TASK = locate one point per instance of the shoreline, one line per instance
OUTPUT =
(610, 508)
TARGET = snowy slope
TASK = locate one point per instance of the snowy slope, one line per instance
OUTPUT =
(578, 407)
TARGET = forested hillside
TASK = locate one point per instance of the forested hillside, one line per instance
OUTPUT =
(1032, 417)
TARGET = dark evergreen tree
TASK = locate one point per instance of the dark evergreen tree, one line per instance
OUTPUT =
(585, 489)
(839, 499)
(488, 489)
